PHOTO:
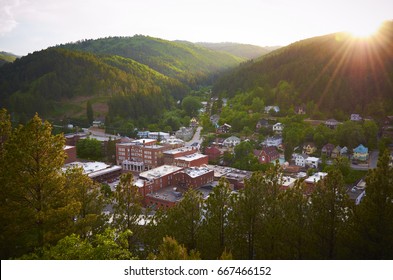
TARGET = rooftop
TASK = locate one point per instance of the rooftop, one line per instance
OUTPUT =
(159, 172)
(178, 150)
(191, 157)
(316, 177)
(194, 172)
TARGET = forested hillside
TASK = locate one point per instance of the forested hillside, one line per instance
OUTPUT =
(337, 72)
(241, 50)
(6, 57)
(55, 81)
(187, 62)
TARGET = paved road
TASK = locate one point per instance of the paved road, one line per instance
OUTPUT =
(196, 138)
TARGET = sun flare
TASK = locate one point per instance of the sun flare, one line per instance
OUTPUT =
(364, 29)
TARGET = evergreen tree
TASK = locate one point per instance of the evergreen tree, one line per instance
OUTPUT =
(37, 209)
(329, 217)
(374, 215)
(215, 221)
(127, 208)
(184, 220)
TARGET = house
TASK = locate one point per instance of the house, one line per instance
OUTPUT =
(231, 141)
(356, 118)
(185, 133)
(336, 152)
(274, 141)
(267, 154)
(300, 110)
(194, 123)
(278, 128)
(300, 160)
(357, 192)
(274, 109)
(224, 128)
(312, 162)
(214, 120)
(360, 153)
(262, 123)
(344, 151)
(309, 148)
(328, 149)
(311, 182)
(332, 123)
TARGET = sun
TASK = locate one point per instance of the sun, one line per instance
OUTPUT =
(364, 29)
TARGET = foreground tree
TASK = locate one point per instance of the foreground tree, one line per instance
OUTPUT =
(127, 209)
(213, 234)
(37, 208)
(374, 216)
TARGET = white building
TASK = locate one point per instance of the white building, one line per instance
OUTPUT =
(300, 160)
(231, 141)
(278, 127)
(312, 162)
(274, 141)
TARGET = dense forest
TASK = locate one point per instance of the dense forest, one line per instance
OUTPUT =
(7, 57)
(47, 213)
(337, 72)
(128, 77)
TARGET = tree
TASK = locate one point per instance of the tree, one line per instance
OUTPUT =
(90, 218)
(191, 105)
(374, 215)
(329, 217)
(89, 112)
(37, 209)
(184, 220)
(127, 208)
(214, 227)
(171, 250)
(89, 148)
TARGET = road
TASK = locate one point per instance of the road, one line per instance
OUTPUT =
(196, 138)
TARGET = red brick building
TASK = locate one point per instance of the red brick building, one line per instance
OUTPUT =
(171, 155)
(140, 155)
(71, 154)
(267, 154)
(192, 160)
(213, 153)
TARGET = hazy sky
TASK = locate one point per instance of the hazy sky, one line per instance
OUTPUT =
(30, 25)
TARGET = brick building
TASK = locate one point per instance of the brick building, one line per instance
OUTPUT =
(171, 155)
(267, 154)
(140, 155)
(192, 160)
(71, 154)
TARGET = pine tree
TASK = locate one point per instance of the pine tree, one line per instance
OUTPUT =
(127, 208)
(89, 112)
(374, 215)
(215, 221)
(330, 215)
(38, 209)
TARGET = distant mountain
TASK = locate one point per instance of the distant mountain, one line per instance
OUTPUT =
(241, 50)
(7, 57)
(336, 72)
(187, 62)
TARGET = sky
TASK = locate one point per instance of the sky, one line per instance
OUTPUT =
(31, 25)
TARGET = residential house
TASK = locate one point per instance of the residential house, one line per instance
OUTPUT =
(311, 182)
(344, 151)
(274, 141)
(300, 160)
(194, 123)
(214, 120)
(278, 128)
(185, 133)
(262, 123)
(336, 152)
(225, 128)
(269, 109)
(231, 141)
(328, 149)
(267, 154)
(332, 123)
(357, 192)
(300, 110)
(312, 162)
(309, 148)
(360, 153)
(356, 118)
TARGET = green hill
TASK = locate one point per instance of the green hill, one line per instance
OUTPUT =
(245, 51)
(57, 83)
(187, 62)
(7, 57)
(337, 73)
